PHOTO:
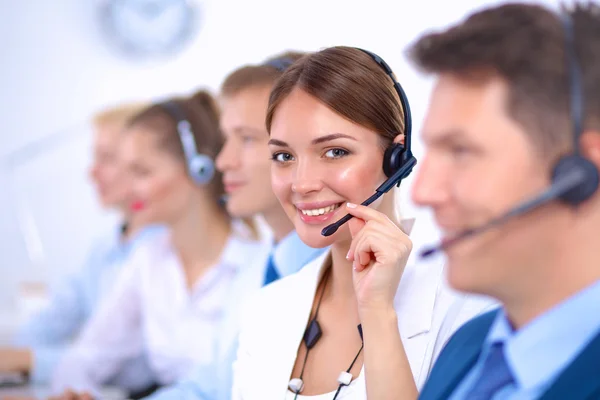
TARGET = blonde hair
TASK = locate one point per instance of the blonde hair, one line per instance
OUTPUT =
(119, 114)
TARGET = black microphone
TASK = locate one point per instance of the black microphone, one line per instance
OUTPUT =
(223, 200)
(558, 189)
(380, 191)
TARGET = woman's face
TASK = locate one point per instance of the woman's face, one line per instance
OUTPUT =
(105, 168)
(321, 161)
(160, 189)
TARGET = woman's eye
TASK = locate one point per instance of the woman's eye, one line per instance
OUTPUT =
(282, 157)
(336, 153)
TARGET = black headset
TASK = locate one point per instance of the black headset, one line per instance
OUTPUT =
(280, 64)
(575, 168)
(398, 159)
(201, 167)
(574, 177)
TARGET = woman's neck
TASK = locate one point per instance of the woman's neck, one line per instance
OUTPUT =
(199, 237)
(341, 285)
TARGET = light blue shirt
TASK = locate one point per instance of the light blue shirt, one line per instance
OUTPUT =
(215, 382)
(537, 353)
(72, 303)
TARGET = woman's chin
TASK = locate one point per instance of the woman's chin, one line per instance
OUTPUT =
(312, 237)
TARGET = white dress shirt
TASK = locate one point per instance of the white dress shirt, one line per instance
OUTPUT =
(151, 311)
(274, 323)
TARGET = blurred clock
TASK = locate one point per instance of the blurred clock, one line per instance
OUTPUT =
(150, 28)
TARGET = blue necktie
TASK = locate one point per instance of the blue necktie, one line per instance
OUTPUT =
(271, 274)
(494, 376)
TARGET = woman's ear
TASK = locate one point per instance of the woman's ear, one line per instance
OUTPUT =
(399, 139)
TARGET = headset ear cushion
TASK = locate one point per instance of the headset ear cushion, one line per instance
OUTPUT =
(202, 169)
(568, 166)
(393, 159)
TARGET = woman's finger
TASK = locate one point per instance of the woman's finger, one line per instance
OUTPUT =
(366, 213)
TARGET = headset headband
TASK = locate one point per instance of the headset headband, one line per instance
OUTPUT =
(401, 94)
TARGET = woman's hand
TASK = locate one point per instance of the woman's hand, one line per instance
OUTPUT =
(15, 360)
(379, 252)
(71, 395)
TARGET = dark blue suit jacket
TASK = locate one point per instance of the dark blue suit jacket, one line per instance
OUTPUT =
(579, 381)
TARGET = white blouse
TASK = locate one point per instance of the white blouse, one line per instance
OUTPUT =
(428, 314)
(151, 312)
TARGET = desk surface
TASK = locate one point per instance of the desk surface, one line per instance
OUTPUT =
(42, 392)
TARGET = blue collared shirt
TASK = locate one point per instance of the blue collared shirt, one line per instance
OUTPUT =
(215, 383)
(73, 301)
(537, 353)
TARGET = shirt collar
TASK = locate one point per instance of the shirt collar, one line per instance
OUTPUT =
(542, 348)
(125, 246)
(291, 254)
(238, 251)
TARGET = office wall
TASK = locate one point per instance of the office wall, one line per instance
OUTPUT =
(57, 69)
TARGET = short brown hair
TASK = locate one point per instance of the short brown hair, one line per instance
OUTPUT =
(263, 74)
(202, 113)
(525, 45)
(349, 82)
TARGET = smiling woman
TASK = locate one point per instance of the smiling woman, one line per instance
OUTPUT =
(331, 118)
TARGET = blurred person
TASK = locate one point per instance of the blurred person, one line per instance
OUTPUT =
(41, 342)
(363, 320)
(514, 124)
(169, 302)
(246, 167)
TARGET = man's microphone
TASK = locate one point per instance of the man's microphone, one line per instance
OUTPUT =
(572, 181)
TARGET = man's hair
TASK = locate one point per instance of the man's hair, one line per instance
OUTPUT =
(265, 74)
(524, 45)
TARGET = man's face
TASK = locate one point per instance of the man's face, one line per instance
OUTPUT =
(245, 158)
(478, 164)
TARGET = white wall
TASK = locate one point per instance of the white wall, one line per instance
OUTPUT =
(57, 69)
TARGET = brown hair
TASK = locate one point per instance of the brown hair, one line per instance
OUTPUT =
(202, 113)
(525, 46)
(263, 74)
(349, 82)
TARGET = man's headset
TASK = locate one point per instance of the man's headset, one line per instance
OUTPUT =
(398, 160)
(574, 177)
(280, 64)
(201, 167)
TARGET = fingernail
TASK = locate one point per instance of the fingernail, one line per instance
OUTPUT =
(348, 255)
(351, 205)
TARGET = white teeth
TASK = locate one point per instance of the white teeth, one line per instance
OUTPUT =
(320, 211)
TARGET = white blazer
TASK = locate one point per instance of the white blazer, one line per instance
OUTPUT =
(428, 314)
